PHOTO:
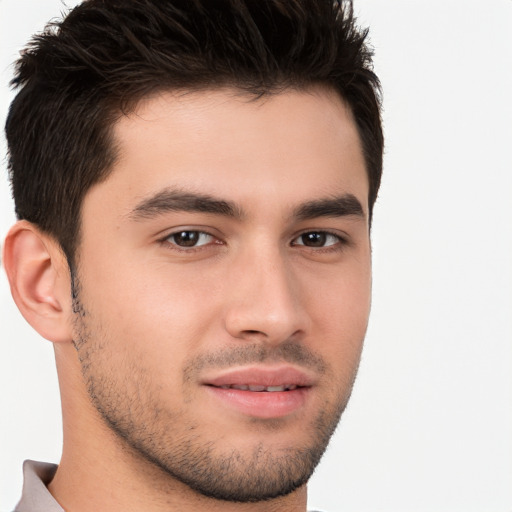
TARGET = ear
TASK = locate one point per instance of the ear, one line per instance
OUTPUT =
(38, 275)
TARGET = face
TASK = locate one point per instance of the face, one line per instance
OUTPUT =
(223, 286)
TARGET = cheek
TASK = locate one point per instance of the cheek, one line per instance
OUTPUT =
(340, 313)
(343, 293)
(154, 308)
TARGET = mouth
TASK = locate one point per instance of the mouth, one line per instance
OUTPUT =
(260, 388)
(272, 392)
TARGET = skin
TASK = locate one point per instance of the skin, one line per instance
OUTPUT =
(264, 288)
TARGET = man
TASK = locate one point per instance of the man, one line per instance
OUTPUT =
(194, 183)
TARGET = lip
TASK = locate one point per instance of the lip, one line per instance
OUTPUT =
(261, 404)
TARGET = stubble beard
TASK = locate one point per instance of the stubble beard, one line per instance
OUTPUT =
(172, 442)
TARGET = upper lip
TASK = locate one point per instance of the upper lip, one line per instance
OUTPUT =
(282, 375)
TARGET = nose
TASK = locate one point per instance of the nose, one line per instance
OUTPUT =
(265, 300)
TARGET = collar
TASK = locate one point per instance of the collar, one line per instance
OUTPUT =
(35, 496)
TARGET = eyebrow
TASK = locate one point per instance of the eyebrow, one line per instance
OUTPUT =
(337, 206)
(174, 201)
(170, 200)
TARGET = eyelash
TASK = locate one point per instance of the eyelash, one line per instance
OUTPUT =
(338, 245)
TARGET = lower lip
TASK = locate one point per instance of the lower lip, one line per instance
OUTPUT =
(262, 404)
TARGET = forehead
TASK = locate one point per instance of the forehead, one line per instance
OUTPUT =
(289, 147)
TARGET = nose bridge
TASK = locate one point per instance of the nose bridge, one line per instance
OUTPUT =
(265, 297)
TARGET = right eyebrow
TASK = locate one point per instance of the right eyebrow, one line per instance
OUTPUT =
(175, 200)
(336, 206)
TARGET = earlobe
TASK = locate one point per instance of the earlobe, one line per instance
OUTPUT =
(38, 275)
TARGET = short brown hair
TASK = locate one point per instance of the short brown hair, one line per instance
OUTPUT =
(78, 76)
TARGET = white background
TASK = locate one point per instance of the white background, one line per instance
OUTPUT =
(429, 427)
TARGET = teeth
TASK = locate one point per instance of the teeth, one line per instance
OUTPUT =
(270, 389)
(241, 387)
(275, 388)
(257, 388)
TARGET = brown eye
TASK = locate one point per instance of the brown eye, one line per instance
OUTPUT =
(317, 239)
(189, 238)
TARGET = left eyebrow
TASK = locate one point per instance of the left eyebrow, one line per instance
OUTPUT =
(170, 200)
(346, 205)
